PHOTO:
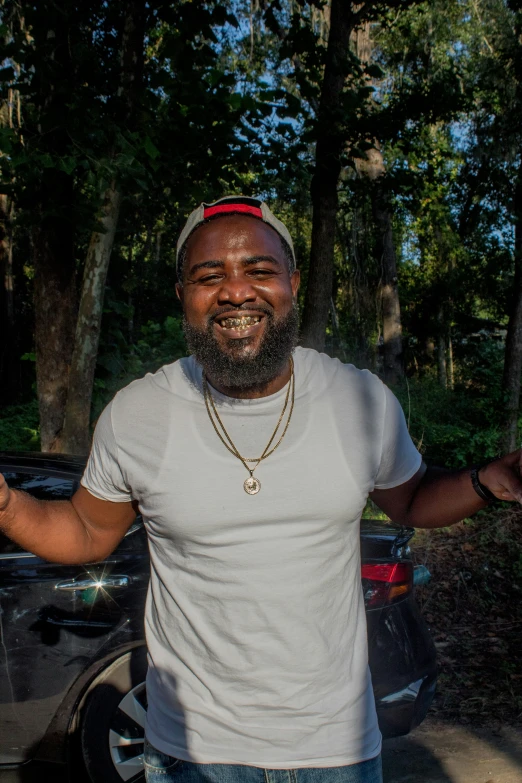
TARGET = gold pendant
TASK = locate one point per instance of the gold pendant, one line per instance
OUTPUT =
(252, 485)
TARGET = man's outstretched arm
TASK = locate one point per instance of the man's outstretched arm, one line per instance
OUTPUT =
(435, 497)
(84, 529)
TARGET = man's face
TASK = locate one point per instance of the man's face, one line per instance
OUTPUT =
(239, 300)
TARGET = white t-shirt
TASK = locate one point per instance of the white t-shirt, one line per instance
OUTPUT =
(255, 620)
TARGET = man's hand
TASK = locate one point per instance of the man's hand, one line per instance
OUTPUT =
(502, 477)
(436, 497)
(5, 494)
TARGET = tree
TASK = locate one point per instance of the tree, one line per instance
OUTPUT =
(341, 123)
(74, 437)
(89, 149)
(50, 198)
(330, 143)
(512, 61)
(372, 166)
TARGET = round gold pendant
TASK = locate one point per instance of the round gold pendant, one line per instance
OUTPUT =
(252, 485)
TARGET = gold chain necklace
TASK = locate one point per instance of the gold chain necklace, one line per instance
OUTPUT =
(251, 485)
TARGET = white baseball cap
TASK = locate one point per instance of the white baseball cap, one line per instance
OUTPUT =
(229, 205)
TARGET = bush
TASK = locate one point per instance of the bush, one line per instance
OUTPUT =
(460, 426)
(452, 428)
(120, 363)
(19, 427)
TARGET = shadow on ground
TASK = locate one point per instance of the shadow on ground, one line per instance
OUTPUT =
(440, 753)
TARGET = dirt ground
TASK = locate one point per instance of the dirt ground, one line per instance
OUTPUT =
(440, 753)
(473, 606)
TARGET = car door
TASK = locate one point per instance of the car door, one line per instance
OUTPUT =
(54, 620)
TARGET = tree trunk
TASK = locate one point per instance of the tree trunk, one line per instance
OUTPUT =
(441, 362)
(52, 236)
(441, 352)
(75, 437)
(373, 168)
(54, 307)
(329, 147)
(9, 353)
(513, 352)
(391, 324)
(9, 371)
(429, 349)
(450, 364)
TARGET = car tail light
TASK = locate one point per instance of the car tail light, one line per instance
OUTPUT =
(386, 583)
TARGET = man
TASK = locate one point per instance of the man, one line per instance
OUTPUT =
(251, 462)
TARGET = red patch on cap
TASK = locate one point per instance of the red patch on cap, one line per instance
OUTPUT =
(223, 208)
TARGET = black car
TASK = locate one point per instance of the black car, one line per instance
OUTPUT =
(73, 658)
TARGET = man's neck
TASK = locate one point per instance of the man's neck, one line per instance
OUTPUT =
(255, 392)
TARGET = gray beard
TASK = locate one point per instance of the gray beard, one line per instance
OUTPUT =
(230, 369)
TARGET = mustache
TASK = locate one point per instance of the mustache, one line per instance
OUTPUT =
(219, 311)
(230, 365)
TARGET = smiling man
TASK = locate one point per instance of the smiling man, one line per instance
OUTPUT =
(238, 292)
(251, 461)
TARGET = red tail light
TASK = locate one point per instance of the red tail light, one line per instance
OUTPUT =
(386, 583)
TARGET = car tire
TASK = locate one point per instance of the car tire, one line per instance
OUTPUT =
(112, 721)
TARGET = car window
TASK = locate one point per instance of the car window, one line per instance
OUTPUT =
(40, 486)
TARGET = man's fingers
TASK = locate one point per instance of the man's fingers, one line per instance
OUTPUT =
(4, 493)
(510, 496)
(512, 489)
(502, 477)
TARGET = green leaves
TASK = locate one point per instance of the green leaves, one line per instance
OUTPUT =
(150, 148)
(19, 427)
(235, 101)
(374, 71)
(230, 107)
(68, 164)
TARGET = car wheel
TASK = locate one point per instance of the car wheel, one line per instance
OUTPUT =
(112, 721)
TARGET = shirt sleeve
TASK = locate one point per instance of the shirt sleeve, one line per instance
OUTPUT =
(103, 475)
(400, 460)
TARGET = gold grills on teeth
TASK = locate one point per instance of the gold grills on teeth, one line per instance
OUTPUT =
(240, 323)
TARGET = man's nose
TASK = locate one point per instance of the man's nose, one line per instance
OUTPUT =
(237, 291)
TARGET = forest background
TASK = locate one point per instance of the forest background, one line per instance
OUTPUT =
(388, 137)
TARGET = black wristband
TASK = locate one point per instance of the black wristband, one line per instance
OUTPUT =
(482, 491)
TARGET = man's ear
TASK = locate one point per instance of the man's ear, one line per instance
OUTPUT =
(179, 292)
(295, 282)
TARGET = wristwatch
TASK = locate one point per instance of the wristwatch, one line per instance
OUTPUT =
(482, 491)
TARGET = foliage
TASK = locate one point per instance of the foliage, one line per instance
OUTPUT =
(460, 426)
(120, 363)
(19, 427)
(230, 104)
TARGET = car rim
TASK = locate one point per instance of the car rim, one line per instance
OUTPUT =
(127, 733)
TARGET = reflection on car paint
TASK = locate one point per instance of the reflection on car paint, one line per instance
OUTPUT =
(409, 693)
(46, 488)
(49, 637)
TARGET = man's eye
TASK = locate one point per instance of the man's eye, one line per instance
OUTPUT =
(208, 279)
(259, 272)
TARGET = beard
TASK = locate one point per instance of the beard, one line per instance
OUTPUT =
(237, 368)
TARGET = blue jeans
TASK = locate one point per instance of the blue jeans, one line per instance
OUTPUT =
(160, 768)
